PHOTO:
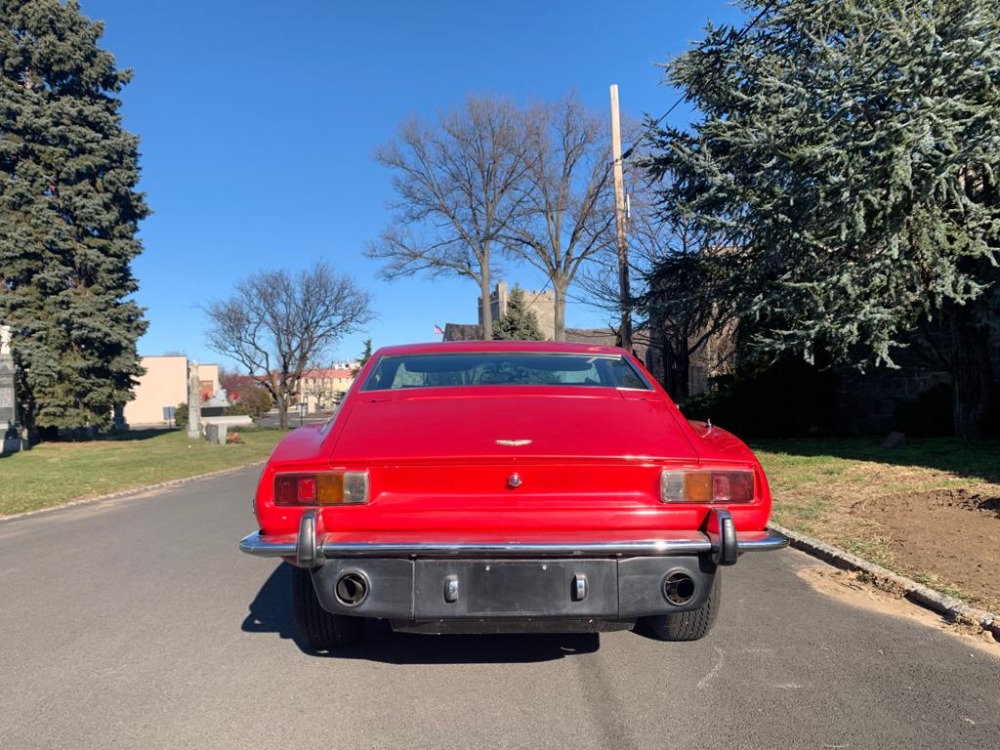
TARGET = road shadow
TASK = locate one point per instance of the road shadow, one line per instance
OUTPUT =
(966, 459)
(270, 612)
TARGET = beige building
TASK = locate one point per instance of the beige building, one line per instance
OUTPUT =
(165, 384)
(322, 389)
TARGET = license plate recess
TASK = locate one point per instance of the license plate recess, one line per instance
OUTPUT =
(515, 588)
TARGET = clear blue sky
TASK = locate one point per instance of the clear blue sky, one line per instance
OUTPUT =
(258, 120)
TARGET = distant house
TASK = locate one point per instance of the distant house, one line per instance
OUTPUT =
(322, 389)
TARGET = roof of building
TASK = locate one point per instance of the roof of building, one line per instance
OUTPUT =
(462, 332)
(597, 336)
(337, 373)
(498, 346)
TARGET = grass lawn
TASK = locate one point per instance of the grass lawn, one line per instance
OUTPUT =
(54, 473)
(929, 510)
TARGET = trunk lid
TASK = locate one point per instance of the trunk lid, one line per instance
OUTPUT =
(572, 425)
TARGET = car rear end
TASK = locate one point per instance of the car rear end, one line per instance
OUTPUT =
(525, 506)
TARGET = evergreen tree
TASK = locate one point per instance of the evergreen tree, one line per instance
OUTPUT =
(518, 323)
(68, 217)
(363, 358)
(848, 153)
(366, 354)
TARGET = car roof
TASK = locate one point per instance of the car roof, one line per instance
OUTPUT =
(453, 347)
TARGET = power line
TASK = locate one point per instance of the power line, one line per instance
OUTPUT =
(738, 38)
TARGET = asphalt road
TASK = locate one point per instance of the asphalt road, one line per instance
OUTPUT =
(138, 624)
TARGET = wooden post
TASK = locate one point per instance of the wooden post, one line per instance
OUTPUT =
(623, 282)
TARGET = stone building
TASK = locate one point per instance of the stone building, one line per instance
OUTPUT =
(868, 401)
(541, 303)
(709, 355)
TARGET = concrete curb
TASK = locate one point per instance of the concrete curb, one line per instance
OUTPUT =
(948, 606)
(120, 494)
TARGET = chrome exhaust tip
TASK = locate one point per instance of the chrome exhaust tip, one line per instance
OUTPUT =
(351, 589)
(678, 587)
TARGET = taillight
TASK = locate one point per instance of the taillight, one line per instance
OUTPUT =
(322, 488)
(702, 486)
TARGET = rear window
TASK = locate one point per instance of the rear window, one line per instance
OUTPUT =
(498, 368)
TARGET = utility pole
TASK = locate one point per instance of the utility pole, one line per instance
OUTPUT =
(624, 294)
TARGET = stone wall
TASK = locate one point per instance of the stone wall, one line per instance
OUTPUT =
(867, 401)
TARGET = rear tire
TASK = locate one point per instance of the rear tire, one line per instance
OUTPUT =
(319, 629)
(691, 625)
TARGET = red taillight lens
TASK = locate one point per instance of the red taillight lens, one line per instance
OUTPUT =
(732, 487)
(706, 486)
(322, 488)
(286, 490)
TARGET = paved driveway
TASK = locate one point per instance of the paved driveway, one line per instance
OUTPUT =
(138, 624)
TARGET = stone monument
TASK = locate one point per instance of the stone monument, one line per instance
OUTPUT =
(8, 401)
(194, 401)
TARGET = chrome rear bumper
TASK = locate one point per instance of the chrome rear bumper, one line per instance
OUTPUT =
(312, 546)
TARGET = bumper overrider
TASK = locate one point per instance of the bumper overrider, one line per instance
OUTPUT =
(412, 582)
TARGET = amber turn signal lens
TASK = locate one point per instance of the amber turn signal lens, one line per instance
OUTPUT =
(329, 489)
(698, 487)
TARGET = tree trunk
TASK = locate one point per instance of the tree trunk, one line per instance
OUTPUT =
(280, 397)
(485, 309)
(559, 293)
(681, 369)
(971, 372)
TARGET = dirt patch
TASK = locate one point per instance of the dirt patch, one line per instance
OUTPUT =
(948, 539)
(850, 587)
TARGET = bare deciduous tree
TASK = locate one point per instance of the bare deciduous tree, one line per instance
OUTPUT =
(456, 187)
(568, 204)
(275, 324)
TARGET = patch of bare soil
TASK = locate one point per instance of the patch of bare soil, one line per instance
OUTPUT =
(850, 588)
(953, 532)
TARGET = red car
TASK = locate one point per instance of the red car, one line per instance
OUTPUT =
(508, 486)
